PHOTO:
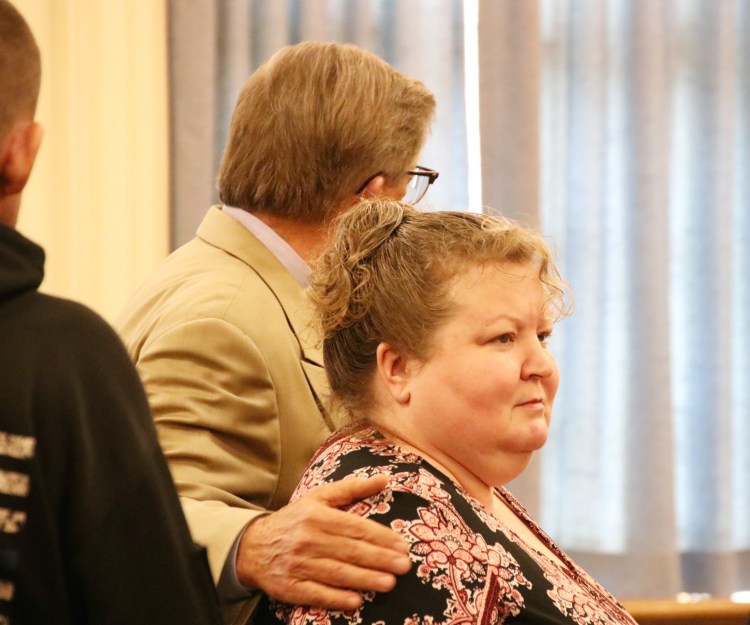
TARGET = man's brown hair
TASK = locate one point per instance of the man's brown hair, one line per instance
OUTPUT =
(313, 123)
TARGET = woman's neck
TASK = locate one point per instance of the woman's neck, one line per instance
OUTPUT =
(471, 483)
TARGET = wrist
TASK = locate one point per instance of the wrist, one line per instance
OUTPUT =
(247, 558)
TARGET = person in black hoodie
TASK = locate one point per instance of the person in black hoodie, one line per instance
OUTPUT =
(91, 530)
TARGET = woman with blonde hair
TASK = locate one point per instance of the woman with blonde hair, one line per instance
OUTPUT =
(435, 331)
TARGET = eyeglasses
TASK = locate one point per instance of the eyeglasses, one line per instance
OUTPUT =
(420, 181)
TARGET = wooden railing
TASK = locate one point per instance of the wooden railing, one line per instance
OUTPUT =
(708, 612)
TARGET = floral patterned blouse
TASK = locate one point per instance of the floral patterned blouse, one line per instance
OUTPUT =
(468, 567)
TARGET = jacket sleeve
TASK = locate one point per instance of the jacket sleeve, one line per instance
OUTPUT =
(216, 415)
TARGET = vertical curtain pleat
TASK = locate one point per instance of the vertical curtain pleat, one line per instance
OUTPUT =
(509, 102)
(741, 301)
(194, 72)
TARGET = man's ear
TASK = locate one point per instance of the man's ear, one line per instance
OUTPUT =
(374, 188)
(18, 155)
(396, 371)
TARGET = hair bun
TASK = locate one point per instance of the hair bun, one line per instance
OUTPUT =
(340, 288)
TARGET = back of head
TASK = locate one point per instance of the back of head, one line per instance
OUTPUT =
(20, 68)
(386, 276)
(313, 123)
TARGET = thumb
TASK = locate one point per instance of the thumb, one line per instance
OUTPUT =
(349, 490)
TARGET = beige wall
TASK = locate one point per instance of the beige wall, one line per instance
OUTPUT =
(98, 199)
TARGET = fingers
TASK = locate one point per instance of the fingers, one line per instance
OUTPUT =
(364, 543)
(338, 524)
(345, 492)
(310, 553)
(346, 576)
(335, 592)
(350, 490)
(308, 593)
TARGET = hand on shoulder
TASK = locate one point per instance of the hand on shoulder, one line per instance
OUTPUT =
(312, 553)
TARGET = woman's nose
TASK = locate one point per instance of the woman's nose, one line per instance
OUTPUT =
(539, 361)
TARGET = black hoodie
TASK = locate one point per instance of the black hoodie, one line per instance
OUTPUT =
(91, 529)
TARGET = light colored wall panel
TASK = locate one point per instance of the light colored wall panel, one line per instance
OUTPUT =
(98, 200)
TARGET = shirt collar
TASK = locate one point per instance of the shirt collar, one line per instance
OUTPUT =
(284, 252)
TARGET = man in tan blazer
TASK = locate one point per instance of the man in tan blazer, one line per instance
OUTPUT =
(222, 334)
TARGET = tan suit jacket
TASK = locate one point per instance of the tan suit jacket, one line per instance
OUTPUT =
(221, 337)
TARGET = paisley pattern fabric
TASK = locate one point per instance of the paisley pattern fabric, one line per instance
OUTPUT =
(468, 567)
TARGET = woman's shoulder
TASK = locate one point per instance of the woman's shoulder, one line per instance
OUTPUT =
(365, 453)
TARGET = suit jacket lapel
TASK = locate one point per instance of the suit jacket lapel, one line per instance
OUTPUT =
(222, 231)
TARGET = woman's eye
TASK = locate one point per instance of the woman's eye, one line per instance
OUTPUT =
(544, 337)
(505, 338)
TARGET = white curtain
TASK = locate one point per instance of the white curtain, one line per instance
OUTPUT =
(646, 191)
(217, 44)
(622, 129)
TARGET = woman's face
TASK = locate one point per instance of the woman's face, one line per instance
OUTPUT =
(482, 402)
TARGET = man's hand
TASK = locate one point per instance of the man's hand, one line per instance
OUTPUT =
(310, 553)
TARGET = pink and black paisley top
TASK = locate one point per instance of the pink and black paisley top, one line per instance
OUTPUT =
(468, 567)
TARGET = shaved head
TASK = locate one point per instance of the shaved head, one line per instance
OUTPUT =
(20, 68)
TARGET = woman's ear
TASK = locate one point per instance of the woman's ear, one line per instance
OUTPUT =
(396, 371)
(18, 155)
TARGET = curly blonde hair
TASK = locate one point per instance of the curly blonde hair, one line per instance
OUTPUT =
(386, 276)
